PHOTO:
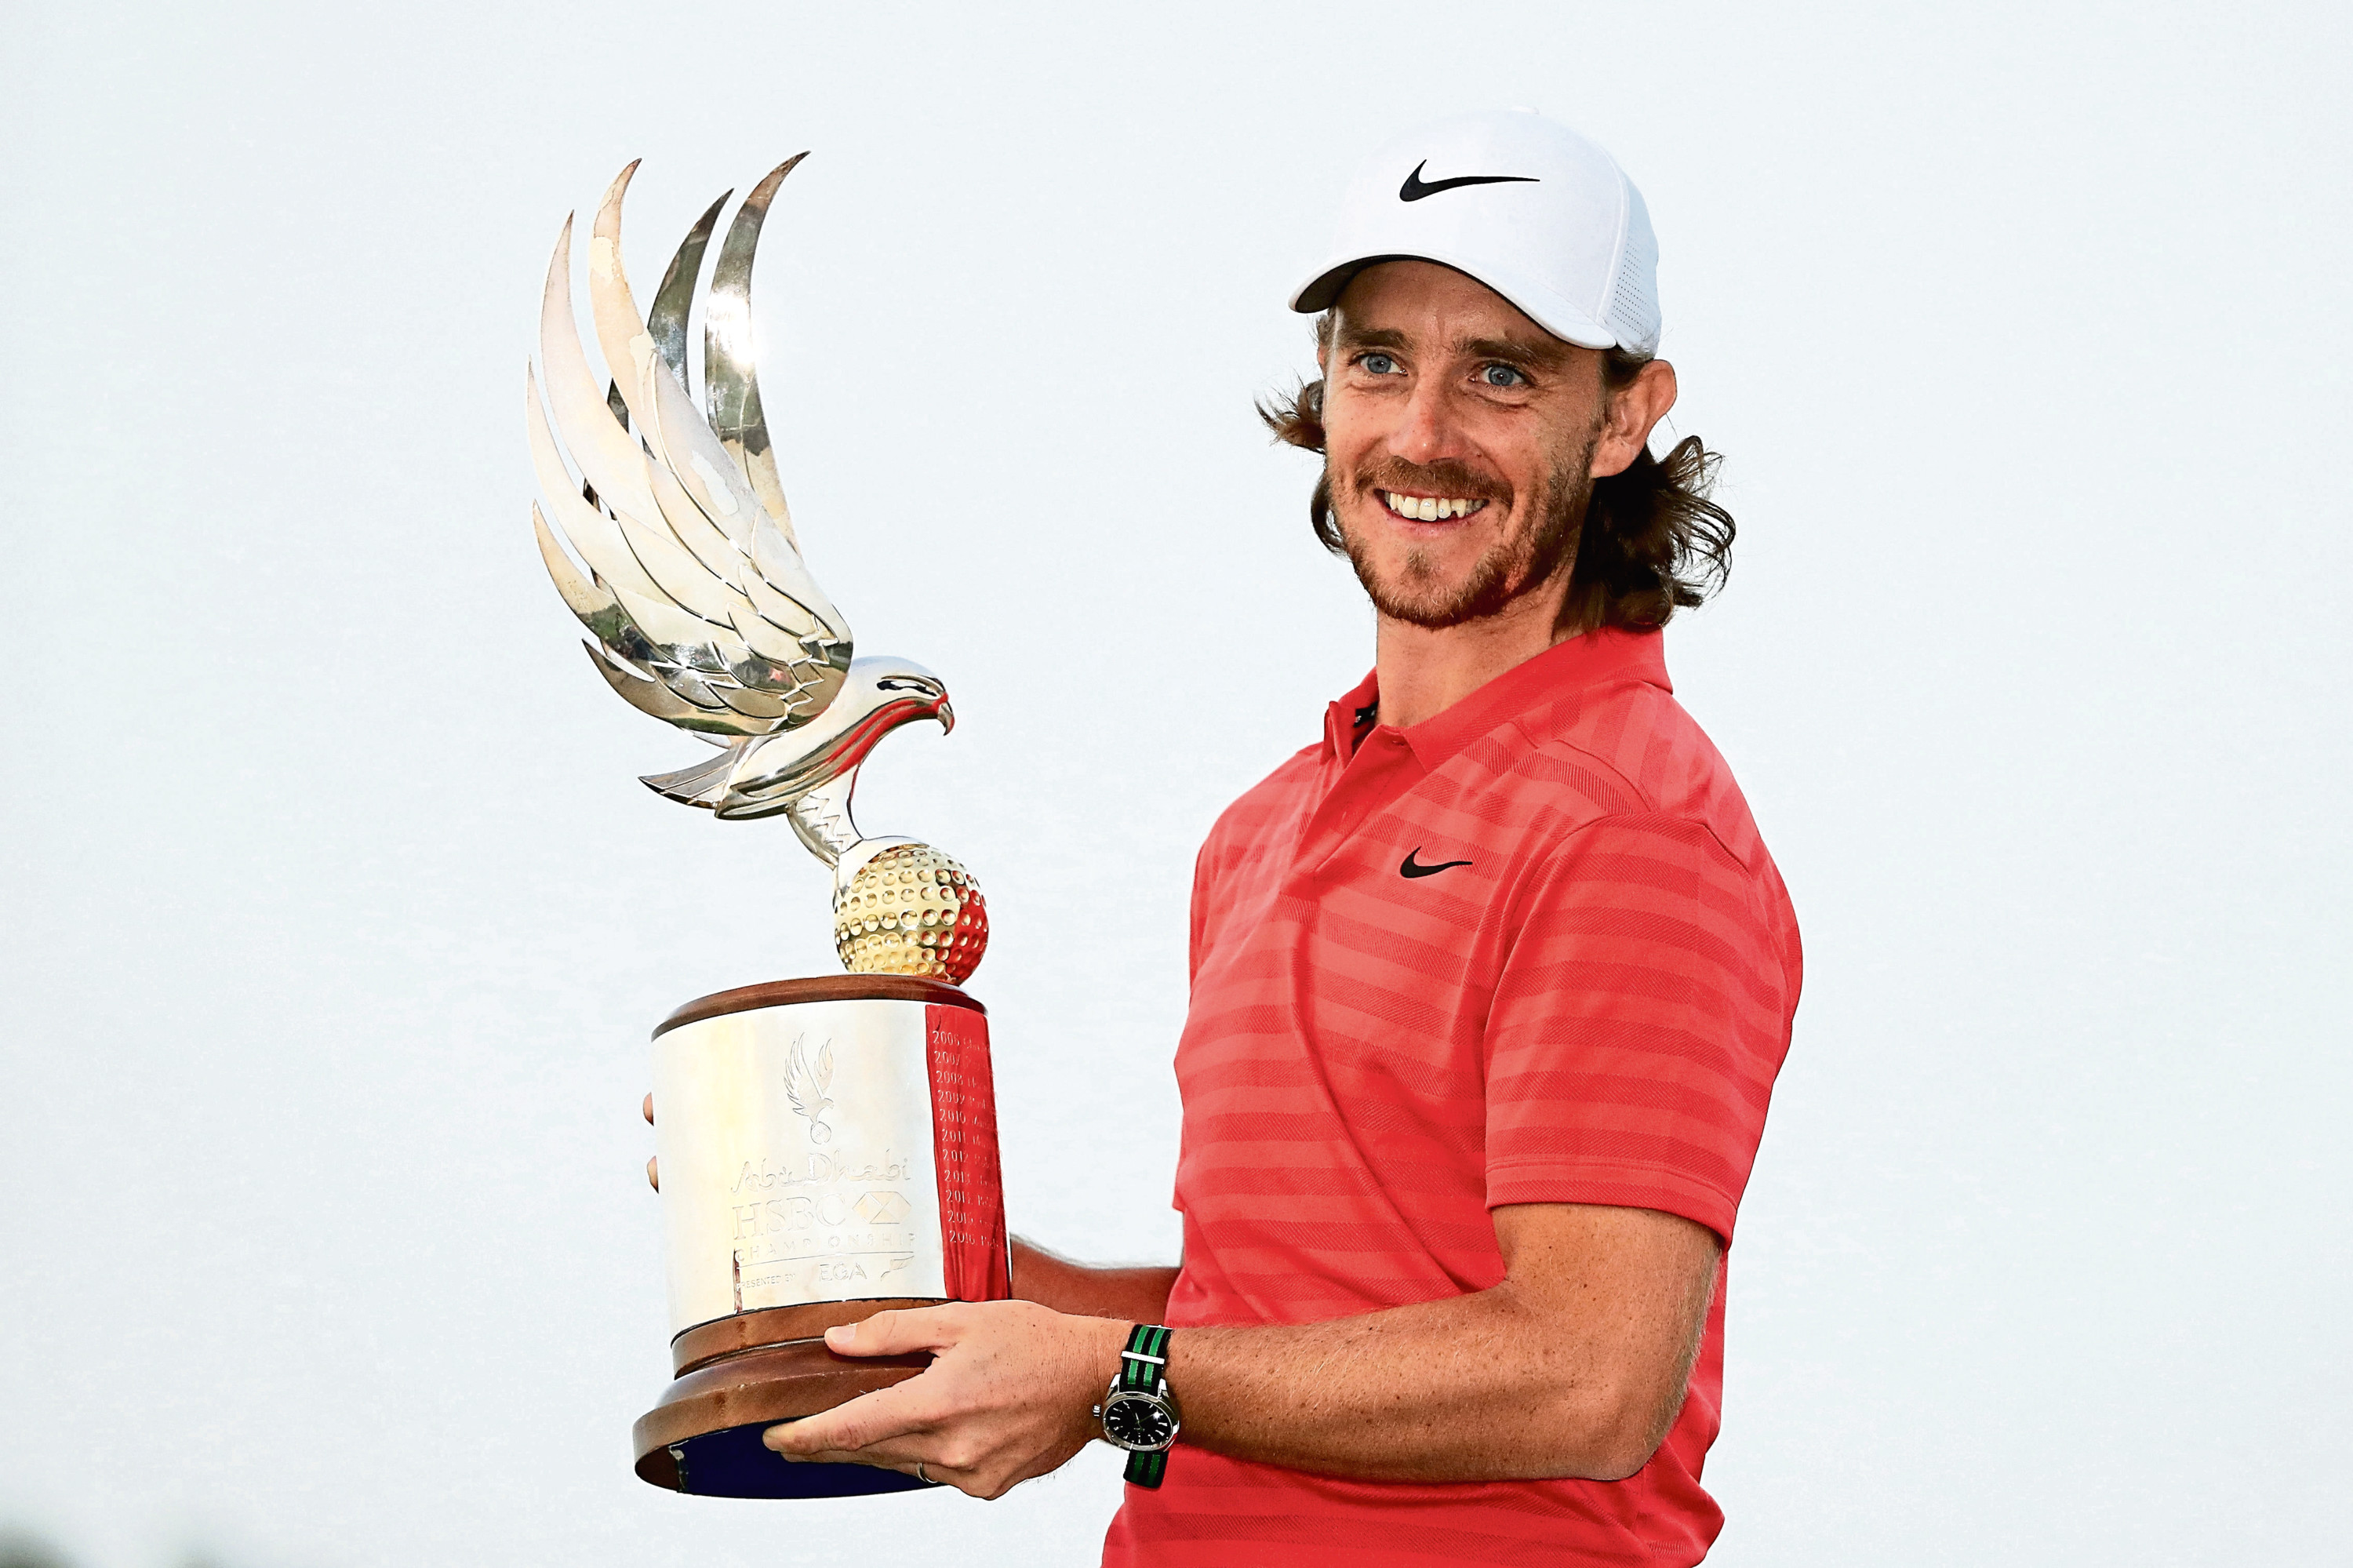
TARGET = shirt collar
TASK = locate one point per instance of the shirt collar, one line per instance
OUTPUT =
(1530, 692)
(1350, 719)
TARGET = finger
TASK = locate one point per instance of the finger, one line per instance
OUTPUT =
(898, 1454)
(649, 1108)
(653, 1172)
(895, 1333)
(904, 1459)
(851, 1427)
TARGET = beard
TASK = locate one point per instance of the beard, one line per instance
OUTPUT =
(1545, 545)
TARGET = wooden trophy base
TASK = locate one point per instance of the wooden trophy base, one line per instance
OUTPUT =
(741, 1375)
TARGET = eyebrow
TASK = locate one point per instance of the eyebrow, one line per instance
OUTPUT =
(1550, 353)
(1545, 352)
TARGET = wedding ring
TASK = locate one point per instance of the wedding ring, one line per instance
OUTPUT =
(919, 1473)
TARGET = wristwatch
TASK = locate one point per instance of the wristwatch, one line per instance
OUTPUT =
(1139, 1413)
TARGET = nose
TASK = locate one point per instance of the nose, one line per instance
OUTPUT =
(1430, 431)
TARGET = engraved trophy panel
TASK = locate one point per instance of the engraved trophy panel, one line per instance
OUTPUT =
(975, 1247)
(828, 1147)
(796, 1149)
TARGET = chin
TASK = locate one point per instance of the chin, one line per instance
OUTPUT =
(1417, 599)
(1397, 569)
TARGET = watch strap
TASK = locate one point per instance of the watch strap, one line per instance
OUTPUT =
(1144, 1362)
(1142, 1368)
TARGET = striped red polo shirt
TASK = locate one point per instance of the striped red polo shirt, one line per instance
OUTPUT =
(1530, 951)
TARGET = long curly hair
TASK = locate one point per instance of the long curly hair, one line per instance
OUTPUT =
(1652, 542)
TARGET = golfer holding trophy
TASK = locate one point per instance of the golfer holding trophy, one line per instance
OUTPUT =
(1489, 981)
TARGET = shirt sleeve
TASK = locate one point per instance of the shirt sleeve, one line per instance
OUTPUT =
(1638, 1021)
(1197, 916)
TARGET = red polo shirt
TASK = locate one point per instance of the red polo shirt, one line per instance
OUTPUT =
(1528, 951)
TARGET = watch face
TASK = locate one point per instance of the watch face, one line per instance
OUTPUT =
(1137, 1421)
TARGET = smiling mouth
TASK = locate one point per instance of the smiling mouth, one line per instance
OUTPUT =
(1430, 508)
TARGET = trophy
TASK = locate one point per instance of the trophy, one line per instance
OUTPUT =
(827, 1147)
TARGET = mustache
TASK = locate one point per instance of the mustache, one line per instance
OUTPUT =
(1445, 477)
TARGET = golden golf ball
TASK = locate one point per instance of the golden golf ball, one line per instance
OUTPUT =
(911, 910)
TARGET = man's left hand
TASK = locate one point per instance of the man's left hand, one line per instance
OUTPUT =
(1009, 1394)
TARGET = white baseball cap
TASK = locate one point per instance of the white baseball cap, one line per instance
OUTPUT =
(1530, 208)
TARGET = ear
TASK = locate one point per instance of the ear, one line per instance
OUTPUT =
(1634, 408)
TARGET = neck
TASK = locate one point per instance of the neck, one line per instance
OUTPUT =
(1424, 671)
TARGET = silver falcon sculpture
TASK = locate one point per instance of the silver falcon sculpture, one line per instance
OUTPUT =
(699, 607)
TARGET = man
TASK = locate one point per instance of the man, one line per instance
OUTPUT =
(1489, 985)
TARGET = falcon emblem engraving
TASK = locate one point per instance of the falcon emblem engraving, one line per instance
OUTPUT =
(806, 1088)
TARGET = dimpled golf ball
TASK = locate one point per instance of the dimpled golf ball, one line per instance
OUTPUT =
(911, 910)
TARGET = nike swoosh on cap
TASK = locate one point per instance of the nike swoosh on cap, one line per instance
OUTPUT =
(1412, 867)
(1414, 188)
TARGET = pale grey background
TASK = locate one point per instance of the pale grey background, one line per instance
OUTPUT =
(335, 920)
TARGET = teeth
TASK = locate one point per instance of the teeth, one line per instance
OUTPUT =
(1430, 508)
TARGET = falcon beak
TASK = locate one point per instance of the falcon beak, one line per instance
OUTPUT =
(946, 716)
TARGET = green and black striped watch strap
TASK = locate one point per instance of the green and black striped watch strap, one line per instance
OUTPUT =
(1144, 1363)
(1141, 1369)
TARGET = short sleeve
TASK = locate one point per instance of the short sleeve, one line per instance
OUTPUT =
(1197, 914)
(1640, 1016)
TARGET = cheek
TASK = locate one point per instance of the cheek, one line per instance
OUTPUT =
(1352, 428)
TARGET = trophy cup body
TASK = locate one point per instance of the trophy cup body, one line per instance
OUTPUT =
(828, 1150)
(827, 1147)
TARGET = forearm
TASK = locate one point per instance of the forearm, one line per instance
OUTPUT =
(1567, 1372)
(1458, 1390)
(1138, 1295)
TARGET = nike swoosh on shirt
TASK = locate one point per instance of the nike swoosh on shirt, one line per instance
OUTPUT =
(1414, 188)
(1413, 867)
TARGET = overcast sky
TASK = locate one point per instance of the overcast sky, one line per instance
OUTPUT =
(335, 920)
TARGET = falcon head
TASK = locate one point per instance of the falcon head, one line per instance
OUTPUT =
(902, 689)
(882, 693)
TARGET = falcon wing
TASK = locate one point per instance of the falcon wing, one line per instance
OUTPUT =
(804, 1087)
(694, 591)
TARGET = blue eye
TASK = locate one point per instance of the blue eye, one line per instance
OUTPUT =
(1379, 363)
(1503, 375)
